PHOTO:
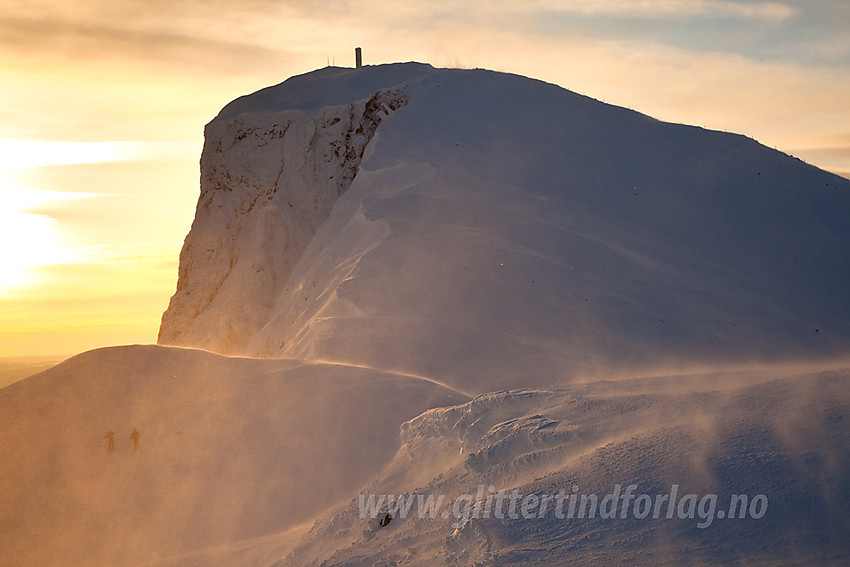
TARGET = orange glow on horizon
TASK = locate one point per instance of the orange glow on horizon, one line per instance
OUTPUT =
(63, 288)
(111, 99)
(30, 239)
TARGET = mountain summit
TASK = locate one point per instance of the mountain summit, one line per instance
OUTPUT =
(491, 322)
(490, 230)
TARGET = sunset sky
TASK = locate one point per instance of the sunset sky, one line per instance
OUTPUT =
(103, 104)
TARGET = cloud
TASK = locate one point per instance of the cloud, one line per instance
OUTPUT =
(26, 154)
(764, 11)
(92, 40)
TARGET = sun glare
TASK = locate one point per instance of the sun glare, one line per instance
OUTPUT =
(25, 154)
(31, 239)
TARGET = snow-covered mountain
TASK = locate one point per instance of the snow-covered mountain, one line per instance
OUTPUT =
(458, 318)
(494, 231)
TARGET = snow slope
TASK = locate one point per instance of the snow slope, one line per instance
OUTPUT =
(261, 463)
(502, 232)
(229, 449)
(777, 433)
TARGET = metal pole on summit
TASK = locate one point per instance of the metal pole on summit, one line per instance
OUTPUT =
(358, 58)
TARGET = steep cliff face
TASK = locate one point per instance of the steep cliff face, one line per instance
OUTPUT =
(268, 180)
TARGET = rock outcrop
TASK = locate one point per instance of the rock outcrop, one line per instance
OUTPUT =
(268, 180)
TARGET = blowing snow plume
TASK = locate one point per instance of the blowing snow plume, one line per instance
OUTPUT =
(465, 301)
(500, 231)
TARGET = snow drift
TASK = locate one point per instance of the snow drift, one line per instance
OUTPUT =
(773, 436)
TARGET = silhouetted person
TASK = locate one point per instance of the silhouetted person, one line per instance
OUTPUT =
(135, 437)
(110, 443)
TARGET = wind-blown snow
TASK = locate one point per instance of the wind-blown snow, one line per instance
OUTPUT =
(230, 449)
(449, 280)
(503, 232)
(776, 433)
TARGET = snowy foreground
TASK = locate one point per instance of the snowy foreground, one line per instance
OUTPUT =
(270, 462)
(462, 318)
